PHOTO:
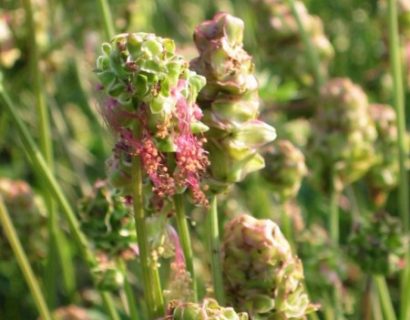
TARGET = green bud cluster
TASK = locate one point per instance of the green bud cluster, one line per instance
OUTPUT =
(285, 169)
(378, 245)
(282, 42)
(262, 276)
(384, 174)
(107, 221)
(342, 142)
(142, 69)
(209, 309)
(230, 101)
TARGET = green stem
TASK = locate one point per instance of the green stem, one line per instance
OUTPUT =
(152, 285)
(334, 217)
(131, 301)
(107, 19)
(286, 224)
(376, 308)
(398, 101)
(384, 296)
(23, 262)
(40, 166)
(311, 54)
(215, 248)
(184, 235)
(54, 249)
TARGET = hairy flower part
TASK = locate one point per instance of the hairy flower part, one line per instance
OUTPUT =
(106, 219)
(378, 245)
(209, 309)
(151, 108)
(261, 274)
(285, 168)
(383, 176)
(342, 142)
(282, 42)
(230, 101)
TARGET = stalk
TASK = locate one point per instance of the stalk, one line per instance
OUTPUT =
(334, 217)
(55, 249)
(384, 297)
(398, 101)
(23, 262)
(286, 224)
(311, 54)
(106, 19)
(215, 248)
(152, 285)
(40, 166)
(183, 231)
(131, 301)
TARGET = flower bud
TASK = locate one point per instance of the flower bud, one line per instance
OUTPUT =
(341, 146)
(284, 169)
(279, 33)
(230, 101)
(106, 219)
(261, 274)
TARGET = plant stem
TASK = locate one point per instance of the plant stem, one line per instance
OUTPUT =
(55, 251)
(286, 224)
(183, 231)
(311, 54)
(131, 301)
(384, 296)
(376, 308)
(398, 101)
(40, 166)
(23, 262)
(215, 248)
(152, 285)
(106, 19)
(334, 217)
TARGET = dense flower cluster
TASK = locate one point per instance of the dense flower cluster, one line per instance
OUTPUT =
(230, 101)
(209, 309)
(262, 275)
(279, 34)
(285, 169)
(151, 107)
(107, 221)
(342, 143)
